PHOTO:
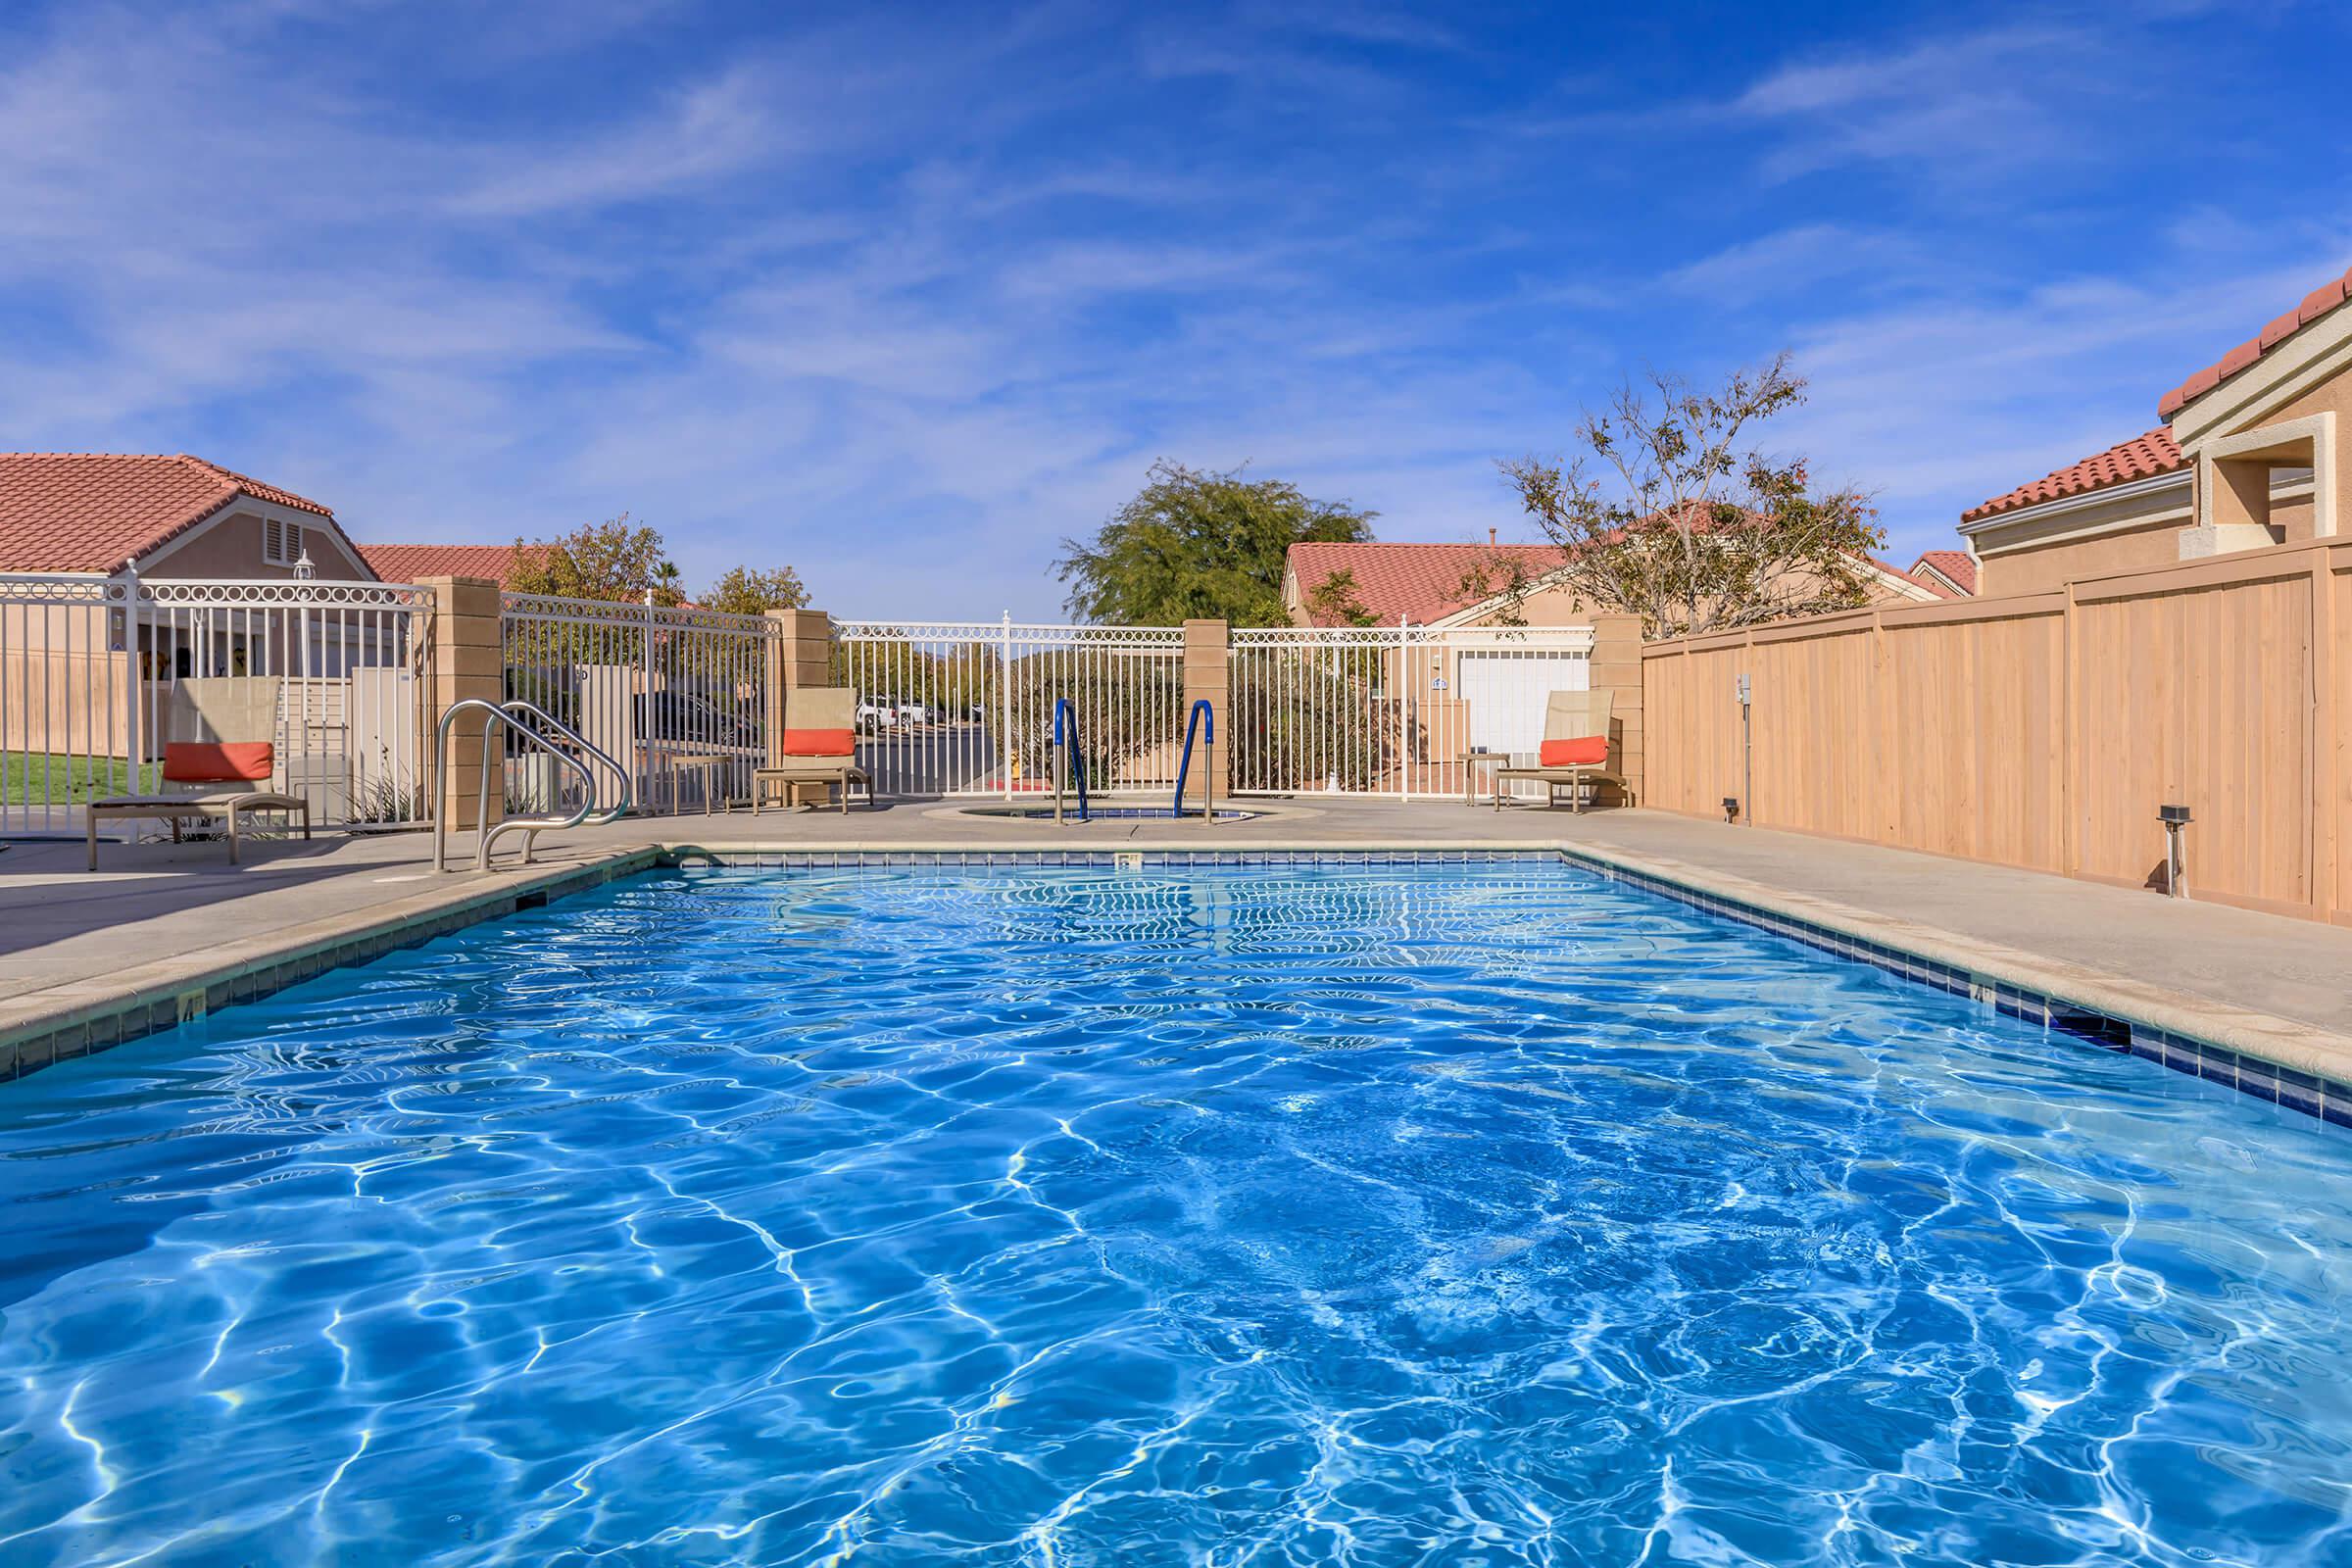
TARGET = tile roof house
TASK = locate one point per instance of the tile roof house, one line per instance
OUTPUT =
(1946, 573)
(413, 562)
(2247, 456)
(1419, 583)
(1438, 584)
(165, 515)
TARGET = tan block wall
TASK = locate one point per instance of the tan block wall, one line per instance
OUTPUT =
(469, 662)
(1616, 668)
(1207, 673)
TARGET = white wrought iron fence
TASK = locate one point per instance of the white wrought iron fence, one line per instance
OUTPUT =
(89, 664)
(967, 708)
(677, 695)
(1406, 712)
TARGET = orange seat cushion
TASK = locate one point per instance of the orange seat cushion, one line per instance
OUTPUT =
(228, 762)
(1585, 751)
(821, 742)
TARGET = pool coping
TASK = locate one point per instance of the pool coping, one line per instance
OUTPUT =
(2299, 1067)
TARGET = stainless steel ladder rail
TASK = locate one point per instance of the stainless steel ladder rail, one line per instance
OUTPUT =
(488, 833)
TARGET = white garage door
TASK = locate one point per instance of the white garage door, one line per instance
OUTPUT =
(1504, 690)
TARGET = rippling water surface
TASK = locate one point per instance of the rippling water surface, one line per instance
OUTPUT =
(1479, 1216)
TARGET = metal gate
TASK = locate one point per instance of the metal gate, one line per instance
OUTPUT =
(678, 697)
(89, 666)
(967, 708)
(1403, 712)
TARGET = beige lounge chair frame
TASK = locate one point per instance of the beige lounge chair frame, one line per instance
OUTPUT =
(1567, 716)
(812, 707)
(230, 709)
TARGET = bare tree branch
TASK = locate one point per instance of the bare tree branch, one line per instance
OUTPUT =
(1692, 530)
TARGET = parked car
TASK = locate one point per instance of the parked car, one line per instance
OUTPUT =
(681, 718)
(878, 714)
(913, 712)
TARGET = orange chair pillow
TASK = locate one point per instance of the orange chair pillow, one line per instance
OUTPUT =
(228, 762)
(1585, 751)
(821, 742)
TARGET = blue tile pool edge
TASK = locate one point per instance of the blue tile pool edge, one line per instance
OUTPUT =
(2325, 1099)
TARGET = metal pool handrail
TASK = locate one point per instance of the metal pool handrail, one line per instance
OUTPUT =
(1065, 755)
(612, 814)
(1202, 717)
(487, 833)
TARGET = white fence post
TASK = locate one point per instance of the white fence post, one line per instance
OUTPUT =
(1006, 748)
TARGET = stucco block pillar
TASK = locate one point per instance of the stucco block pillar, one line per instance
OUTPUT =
(1207, 673)
(799, 654)
(469, 662)
(1616, 668)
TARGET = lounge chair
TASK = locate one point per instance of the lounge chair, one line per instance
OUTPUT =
(222, 762)
(1582, 747)
(818, 746)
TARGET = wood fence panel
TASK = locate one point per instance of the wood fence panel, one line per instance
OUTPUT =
(2333, 784)
(1950, 786)
(1987, 730)
(2245, 738)
(2126, 747)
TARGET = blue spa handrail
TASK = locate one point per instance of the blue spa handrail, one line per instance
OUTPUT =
(1076, 753)
(1202, 717)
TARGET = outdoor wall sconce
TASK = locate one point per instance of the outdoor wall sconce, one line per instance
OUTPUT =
(2175, 818)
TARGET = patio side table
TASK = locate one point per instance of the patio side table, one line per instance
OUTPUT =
(1471, 761)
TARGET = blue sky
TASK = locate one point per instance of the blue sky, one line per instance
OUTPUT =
(902, 296)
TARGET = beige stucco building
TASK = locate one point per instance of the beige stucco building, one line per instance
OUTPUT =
(2247, 456)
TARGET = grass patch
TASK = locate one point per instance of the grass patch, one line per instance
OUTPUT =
(49, 778)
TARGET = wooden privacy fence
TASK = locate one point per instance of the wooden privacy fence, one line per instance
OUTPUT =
(2045, 731)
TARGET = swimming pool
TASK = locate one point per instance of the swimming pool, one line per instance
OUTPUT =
(1486, 1214)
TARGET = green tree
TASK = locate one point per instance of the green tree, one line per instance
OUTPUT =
(1685, 525)
(613, 560)
(749, 591)
(1199, 544)
(1334, 602)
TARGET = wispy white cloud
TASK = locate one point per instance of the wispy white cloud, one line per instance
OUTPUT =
(902, 297)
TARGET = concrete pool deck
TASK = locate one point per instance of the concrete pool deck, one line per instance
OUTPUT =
(161, 931)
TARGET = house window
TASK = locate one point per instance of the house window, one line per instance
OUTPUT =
(282, 542)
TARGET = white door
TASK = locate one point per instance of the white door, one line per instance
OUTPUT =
(1504, 690)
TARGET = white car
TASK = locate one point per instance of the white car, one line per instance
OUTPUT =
(912, 712)
(878, 713)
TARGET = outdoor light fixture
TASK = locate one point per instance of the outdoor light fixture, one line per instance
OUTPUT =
(2175, 818)
(1747, 770)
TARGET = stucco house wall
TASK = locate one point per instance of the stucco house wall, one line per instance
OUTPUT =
(230, 545)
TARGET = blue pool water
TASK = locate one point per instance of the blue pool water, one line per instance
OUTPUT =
(1490, 1215)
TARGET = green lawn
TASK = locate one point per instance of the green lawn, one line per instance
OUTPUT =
(36, 778)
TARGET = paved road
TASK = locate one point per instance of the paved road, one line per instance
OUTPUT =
(925, 760)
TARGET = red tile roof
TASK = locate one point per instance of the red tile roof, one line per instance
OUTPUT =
(1956, 565)
(411, 562)
(100, 511)
(2316, 303)
(1416, 582)
(2140, 457)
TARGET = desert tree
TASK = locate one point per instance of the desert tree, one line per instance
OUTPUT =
(1667, 510)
